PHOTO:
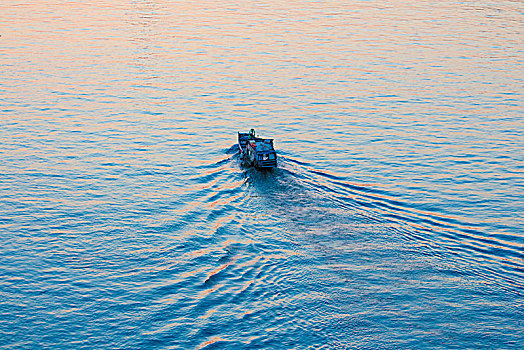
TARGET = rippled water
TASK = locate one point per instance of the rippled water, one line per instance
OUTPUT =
(394, 219)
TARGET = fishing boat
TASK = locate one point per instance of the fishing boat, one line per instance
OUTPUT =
(256, 151)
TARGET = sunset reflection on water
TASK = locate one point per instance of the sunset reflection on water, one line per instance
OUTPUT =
(392, 220)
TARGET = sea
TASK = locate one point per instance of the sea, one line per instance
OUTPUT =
(394, 219)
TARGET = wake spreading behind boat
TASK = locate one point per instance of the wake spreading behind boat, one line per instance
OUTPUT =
(256, 151)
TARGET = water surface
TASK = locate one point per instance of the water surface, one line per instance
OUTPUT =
(394, 219)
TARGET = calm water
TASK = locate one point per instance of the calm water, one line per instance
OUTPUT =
(394, 220)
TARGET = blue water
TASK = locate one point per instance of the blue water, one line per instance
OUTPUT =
(394, 219)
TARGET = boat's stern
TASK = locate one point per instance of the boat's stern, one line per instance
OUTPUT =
(266, 160)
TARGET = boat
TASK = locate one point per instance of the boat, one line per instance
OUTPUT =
(256, 151)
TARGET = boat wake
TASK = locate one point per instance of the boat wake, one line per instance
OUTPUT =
(298, 243)
(309, 197)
